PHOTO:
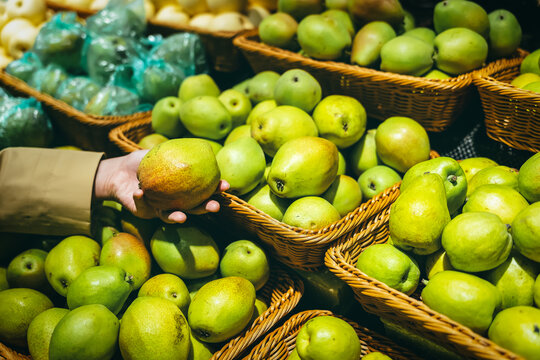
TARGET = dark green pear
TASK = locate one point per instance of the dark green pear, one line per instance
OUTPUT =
(368, 42)
(364, 11)
(466, 14)
(504, 33)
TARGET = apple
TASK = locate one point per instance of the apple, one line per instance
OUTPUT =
(222, 6)
(238, 104)
(173, 14)
(31, 10)
(246, 259)
(201, 21)
(297, 87)
(193, 7)
(375, 180)
(167, 286)
(198, 85)
(166, 117)
(230, 21)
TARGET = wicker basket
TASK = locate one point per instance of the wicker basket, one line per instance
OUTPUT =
(88, 132)
(298, 248)
(511, 115)
(221, 52)
(407, 311)
(282, 293)
(278, 344)
(434, 103)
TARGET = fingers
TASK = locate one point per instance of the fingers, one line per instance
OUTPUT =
(171, 217)
(223, 186)
(209, 206)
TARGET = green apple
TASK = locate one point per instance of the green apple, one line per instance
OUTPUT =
(198, 85)
(327, 338)
(376, 179)
(322, 37)
(27, 270)
(526, 231)
(150, 140)
(391, 266)
(166, 117)
(401, 142)
(297, 87)
(344, 194)
(261, 86)
(265, 200)
(529, 178)
(531, 63)
(238, 104)
(516, 329)
(261, 108)
(167, 286)
(363, 154)
(206, 117)
(340, 119)
(279, 29)
(473, 165)
(246, 259)
(459, 50)
(237, 133)
(311, 213)
(407, 55)
(523, 79)
(501, 175)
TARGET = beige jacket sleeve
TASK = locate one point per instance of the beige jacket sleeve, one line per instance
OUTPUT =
(46, 191)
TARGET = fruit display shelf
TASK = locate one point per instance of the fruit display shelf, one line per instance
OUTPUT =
(408, 311)
(511, 115)
(435, 103)
(295, 247)
(278, 344)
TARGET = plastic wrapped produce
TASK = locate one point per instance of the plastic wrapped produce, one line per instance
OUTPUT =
(48, 79)
(158, 80)
(114, 100)
(24, 67)
(121, 18)
(183, 50)
(77, 91)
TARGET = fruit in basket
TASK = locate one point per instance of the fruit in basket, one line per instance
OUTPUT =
(297, 87)
(311, 213)
(261, 108)
(238, 105)
(68, 259)
(516, 329)
(150, 140)
(26, 270)
(197, 85)
(242, 86)
(3, 279)
(376, 355)
(363, 154)
(536, 292)
(193, 7)
(523, 79)
(391, 266)
(154, 328)
(455, 182)
(342, 164)
(18, 307)
(376, 179)
(201, 21)
(242, 164)
(21, 41)
(419, 215)
(401, 143)
(265, 200)
(368, 41)
(276, 127)
(322, 37)
(364, 11)
(451, 14)
(222, 6)
(166, 117)
(206, 117)
(344, 194)
(302, 167)
(341, 17)
(474, 305)
(526, 231)
(533, 86)
(501, 175)
(221, 309)
(172, 14)
(531, 63)
(422, 33)
(40, 332)
(327, 337)
(279, 29)
(473, 165)
(246, 259)
(238, 133)
(406, 55)
(504, 33)
(200, 350)
(261, 86)
(340, 119)
(437, 262)
(299, 9)
(500, 200)
(476, 241)
(167, 286)
(459, 50)
(32, 10)
(230, 21)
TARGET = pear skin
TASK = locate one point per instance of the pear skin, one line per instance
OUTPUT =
(368, 41)
(364, 11)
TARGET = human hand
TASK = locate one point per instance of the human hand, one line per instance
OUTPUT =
(116, 179)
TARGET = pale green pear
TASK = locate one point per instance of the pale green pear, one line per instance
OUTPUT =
(206, 117)
(322, 37)
(502, 175)
(279, 29)
(407, 55)
(419, 215)
(363, 154)
(197, 85)
(265, 200)
(364, 11)
(342, 164)
(368, 41)
(344, 194)
(526, 231)
(473, 165)
(341, 17)
(504, 33)
(237, 133)
(261, 86)
(459, 50)
(465, 14)
(529, 177)
(310, 212)
(261, 108)
(422, 33)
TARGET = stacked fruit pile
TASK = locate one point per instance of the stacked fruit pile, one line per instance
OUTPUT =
(529, 77)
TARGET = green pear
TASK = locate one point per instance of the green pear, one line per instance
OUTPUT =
(310, 212)
(216, 147)
(364, 11)
(167, 286)
(407, 55)
(279, 29)
(437, 74)
(343, 18)
(437, 262)
(221, 309)
(473, 165)
(401, 143)
(422, 33)
(194, 285)
(102, 284)
(246, 259)
(376, 179)
(297, 87)
(464, 14)
(408, 23)
(454, 180)
(368, 41)
(3, 279)
(391, 266)
(197, 85)
(322, 37)
(515, 329)
(67, 260)
(303, 166)
(376, 355)
(142, 229)
(184, 250)
(522, 80)
(529, 178)
(363, 154)
(130, 254)
(473, 305)
(336, 4)
(166, 117)
(419, 215)
(531, 63)
(274, 128)
(501, 175)
(459, 50)
(536, 291)
(27, 270)
(260, 108)
(300, 8)
(342, 164)
(500, 200)
(265, 200)
(261, 86)
(476, 241)
(504, 33)
(526, 231)
(40, 331)
(237, 133)
(242, 86)
(340, 119)
(200, 350)
(242, 164)
(150, 140)
(238, 104)
(515, 280)
(205, 116)
(533, 86)
(344, 194)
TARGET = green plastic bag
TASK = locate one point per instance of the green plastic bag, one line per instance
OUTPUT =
(77, 91)
(121, 18)
(183, 50)
(113, 100)
(24, 67)
(48, 79)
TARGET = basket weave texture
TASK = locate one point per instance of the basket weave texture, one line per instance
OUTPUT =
(434, 103)
(278, 344)
(282, 293)
(511, 114)
(408, 311)
(298, 248)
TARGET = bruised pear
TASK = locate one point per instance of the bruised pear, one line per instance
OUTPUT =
(179, 174)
